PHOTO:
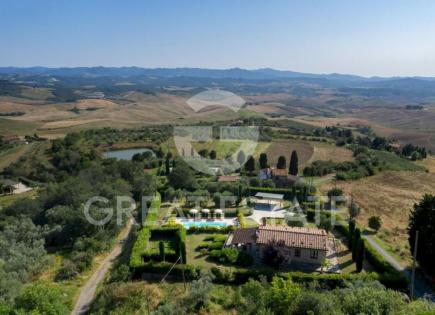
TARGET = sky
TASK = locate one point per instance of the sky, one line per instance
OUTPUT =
(365, 37)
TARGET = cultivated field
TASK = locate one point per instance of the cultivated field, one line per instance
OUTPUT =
(304, 149)
(330, 152)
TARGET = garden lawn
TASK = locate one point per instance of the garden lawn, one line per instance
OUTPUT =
(194, 257)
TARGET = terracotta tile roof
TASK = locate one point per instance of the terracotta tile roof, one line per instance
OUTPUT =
(279, 172)
(309, 238)
(293, 236)
(244, 236)
(228, 178)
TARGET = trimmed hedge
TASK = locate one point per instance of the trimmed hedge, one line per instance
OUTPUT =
(181, 238)
(136, 259)
(210, 229)
(144, 234)
(162, 268)
(140, 249)
(389, 276)
(153, 210)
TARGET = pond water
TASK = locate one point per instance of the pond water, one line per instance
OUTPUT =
(125, 154)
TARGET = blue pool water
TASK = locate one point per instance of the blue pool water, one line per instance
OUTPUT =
(216, 224)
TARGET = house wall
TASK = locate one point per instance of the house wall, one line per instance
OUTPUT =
(289, 253)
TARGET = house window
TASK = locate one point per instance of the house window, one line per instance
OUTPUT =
(314, 254)
(297, 252)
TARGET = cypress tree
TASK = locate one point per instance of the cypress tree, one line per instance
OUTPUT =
(351, 232)
(263, 160)
(356, 240)
(281, 162)
(167, 166)
(294, 164)
(250, 164)
(360, 255)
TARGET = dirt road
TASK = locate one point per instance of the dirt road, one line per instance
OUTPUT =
(87, 292)
(422, 289)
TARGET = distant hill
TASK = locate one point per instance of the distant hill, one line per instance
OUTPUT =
(235, 73)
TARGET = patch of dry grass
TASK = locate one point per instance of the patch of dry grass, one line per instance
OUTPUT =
(304, 149)
(428, 163)
(390, 195)
(330, 152)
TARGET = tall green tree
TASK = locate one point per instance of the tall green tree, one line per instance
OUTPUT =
(183, 177)
(263, 160)
(282, 163)
(167, 166)
(356, 240)
(422, 219)
(351, 232)
(294, 164)
(283, 295)
(360, 252)
(250, 164)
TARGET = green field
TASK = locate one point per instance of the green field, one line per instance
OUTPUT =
(392, 162)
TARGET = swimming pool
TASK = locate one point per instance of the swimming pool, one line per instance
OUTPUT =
(201, 224)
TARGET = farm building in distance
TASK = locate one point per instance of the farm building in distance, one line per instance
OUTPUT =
(11, 139)
(228, 179)
(295, 244)
(279, 176)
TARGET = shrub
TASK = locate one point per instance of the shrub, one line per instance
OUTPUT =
(67, 270)
(121, 273)
(40, 298)
(229, 255)
(375, 222)
(244, 259)
(83, 260)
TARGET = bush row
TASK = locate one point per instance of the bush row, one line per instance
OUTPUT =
(391, 277)
(241, 276)
(388, 275)
(209, 229)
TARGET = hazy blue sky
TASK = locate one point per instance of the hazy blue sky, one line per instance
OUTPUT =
(368, 37)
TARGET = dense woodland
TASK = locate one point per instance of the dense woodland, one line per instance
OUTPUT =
(54, 221)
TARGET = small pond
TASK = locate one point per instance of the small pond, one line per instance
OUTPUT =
(125, 154)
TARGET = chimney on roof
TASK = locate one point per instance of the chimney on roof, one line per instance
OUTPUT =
(264, 221)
